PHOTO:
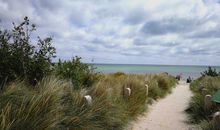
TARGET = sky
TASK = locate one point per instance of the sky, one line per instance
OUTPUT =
(176, 32)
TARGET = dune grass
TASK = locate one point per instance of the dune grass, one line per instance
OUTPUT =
(196, 111)
(55, 104)
(25, 108)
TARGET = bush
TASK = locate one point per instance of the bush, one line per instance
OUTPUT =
(80, 74)
(210, 72)
(22, 59)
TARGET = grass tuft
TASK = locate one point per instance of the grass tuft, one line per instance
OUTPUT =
(54, 104)
(196, 111)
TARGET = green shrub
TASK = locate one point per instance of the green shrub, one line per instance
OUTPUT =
(80, 74)
(22, 59)
(210, 72)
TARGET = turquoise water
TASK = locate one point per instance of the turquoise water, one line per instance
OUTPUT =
(185, 71)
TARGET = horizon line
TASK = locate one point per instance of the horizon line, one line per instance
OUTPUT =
(151, 64)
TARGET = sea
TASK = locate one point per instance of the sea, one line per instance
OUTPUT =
(184, 70)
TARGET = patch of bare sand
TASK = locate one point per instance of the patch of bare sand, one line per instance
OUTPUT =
(167, 113)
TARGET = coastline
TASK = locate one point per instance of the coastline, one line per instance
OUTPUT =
(185, 71)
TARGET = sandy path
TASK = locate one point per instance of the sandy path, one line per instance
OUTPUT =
(167, 113)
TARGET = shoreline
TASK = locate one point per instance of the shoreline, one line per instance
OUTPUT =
(153, 64)
(185, 71)
(184, 77)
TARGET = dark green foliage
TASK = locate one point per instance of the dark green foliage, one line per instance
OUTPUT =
(210, 72)
(80, 74)
(22, 59)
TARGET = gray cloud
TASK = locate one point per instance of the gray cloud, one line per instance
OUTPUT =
(136, 16)
(145, 42)
(48, 4)
(121, 31)
(168, 25)
(214, 33)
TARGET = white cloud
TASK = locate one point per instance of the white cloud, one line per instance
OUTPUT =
(122, 31)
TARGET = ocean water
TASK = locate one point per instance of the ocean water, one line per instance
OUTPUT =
(185, 71)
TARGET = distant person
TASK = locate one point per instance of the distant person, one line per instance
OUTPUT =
(178, 77)
(189, 80)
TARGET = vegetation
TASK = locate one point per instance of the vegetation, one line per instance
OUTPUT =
(81, 75)
(209, 82)
(55, 104)
(57, 101)
(210, 72)
(23, 107)
(20, 58)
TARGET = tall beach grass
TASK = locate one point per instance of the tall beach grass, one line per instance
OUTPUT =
(55, 104)
(197, 113)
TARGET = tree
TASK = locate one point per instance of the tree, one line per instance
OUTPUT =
(22, 59)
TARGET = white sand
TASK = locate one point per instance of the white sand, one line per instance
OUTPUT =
(167, 113)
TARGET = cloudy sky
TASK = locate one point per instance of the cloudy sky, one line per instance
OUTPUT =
(183, 32)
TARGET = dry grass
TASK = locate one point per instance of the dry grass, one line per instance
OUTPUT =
(54, 104)
(196, 111)
(25, 108)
